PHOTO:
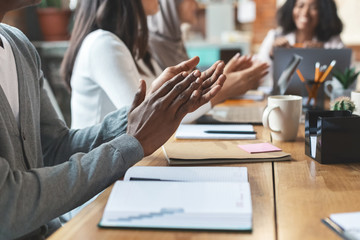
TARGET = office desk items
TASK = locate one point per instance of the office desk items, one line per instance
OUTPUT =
(285, 77)
(188, 174)
(346, 225)
(259, 148)
(219, 131)
(224, 203)
(332, 136)
(282, 116)
(233, 115)
(216, 152)
(310, 56)
(312, 86)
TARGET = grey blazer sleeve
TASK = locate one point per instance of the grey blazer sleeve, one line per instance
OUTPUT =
(49, 169)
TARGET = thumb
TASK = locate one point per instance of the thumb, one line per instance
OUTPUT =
(139, 96)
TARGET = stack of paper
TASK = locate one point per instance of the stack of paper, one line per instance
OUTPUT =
(170, 204)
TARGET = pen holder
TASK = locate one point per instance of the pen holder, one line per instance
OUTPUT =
(313, 95)
(332, 136)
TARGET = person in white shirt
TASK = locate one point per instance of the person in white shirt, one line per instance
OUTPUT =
(108, 54)
(302, 23)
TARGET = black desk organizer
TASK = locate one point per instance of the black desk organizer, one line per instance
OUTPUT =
(338, 136)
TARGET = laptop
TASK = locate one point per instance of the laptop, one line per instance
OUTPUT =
(283, 56)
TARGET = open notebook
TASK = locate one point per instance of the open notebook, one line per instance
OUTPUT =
(209, 152)
(195, 198)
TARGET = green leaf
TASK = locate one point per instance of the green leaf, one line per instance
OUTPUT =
(347, 77)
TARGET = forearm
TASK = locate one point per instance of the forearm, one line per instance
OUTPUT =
(32, 198)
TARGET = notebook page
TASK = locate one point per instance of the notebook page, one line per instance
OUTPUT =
(195, 205)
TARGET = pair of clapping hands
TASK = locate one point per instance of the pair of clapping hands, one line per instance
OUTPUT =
(177, 91)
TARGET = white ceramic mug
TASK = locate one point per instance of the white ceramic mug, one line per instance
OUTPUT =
(282, 116)
(355, 97)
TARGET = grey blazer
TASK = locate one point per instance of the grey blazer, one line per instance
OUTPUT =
(45, 168)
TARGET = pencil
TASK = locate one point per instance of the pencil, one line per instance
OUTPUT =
(300, 75)
(328, 70)
(303, 80)
(317, 71)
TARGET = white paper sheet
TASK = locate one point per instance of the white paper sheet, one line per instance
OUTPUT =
(198, 131)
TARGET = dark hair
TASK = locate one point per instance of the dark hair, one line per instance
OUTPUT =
(329, 22)
(124, 18)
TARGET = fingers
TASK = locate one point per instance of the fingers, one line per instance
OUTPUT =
(231, 65)
(185, 66)
(210, 76)
(198, 98)
(213, 91)
(178, 87)
(139, 96)
(191, 93)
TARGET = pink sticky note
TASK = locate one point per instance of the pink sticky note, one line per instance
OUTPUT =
(259, 148)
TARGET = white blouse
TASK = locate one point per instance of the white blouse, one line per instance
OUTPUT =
(105, 78)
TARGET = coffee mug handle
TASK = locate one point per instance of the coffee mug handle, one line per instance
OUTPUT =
(328, 84)
(265, 118)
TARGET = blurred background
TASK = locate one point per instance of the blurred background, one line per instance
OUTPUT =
(223, 27)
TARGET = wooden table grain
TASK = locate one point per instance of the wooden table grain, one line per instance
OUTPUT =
(306, 192)
(289, 200)
(84, 225)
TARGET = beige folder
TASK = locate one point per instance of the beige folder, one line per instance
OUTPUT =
(209, 152)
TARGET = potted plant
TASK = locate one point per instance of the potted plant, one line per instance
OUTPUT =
(342, 83)
(346, 78)
(54, 18)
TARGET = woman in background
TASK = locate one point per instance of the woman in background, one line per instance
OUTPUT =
(167, 48)
(303, 23)
(108, 55)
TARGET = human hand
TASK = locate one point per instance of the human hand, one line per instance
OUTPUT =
(170, 72)
(154, 119)
(313, 44)
(279, 42)
(237, 63)
(240, 82)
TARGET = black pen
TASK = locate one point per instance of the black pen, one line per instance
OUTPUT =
(151, 179)
(229, 132)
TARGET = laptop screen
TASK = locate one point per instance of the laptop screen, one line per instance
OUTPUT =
(282, 57)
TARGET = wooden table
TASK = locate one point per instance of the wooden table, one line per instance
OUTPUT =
(289, 199)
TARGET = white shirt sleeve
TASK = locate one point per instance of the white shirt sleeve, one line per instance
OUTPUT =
(114, 69)
(264, 55)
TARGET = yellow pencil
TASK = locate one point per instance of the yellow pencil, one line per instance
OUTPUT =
(317, 71)
(300, 75)
(328, 70)
(303, 80)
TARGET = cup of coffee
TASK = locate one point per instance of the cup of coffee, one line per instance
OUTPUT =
(355, 97)
(282, 116)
